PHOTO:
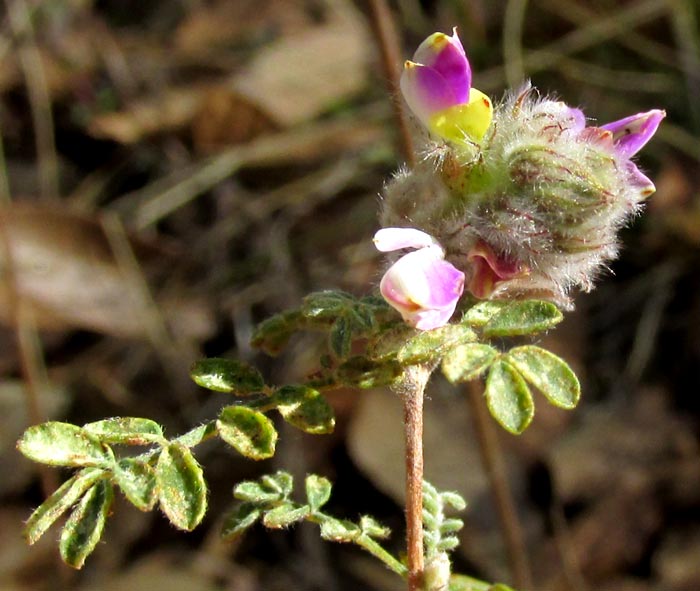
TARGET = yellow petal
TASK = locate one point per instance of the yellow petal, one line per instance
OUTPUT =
(465, 122)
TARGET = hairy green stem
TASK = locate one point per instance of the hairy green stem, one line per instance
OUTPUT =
(379, 552)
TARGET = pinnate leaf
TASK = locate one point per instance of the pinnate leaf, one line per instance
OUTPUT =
(326, 304)
(63, 444)
(227, 375)
(432, 344)
(239, 520)
(85, 525)
(305, 408)
(59, 502)
(250, 432)
(362, 372)
(273, 334)
(340, 337)
(318, 491)
(550, 374)
(128, 430)
(508, 397)
(523, 318)
(137, 480)
(468, 362)
(339, 530)
(182, 490)
(285, 515)
(479, 314)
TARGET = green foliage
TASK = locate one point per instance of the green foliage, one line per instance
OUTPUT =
(167, 474)
(362, 372)
(85, 525)
(318, 491)
(249, 431)
(467, 362)
(548, 373)
(227, 375)
(62, 499)
(343, 316)
(126, 430)
(522, 318)
(63, 444)
(182, 491)
(508, 397)
(268, 500)
(438, 530)
(137, 480)
(305, 408)
(430, 345)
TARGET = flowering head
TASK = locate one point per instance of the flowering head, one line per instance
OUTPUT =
(531, 209)
(422, 286)
(437, 88)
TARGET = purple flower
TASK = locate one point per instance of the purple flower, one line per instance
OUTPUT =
(437, 88)
(629, 135)
(422, 286)
(632, 133)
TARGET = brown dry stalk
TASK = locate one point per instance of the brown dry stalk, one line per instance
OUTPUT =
(492, 459)
(390, 50)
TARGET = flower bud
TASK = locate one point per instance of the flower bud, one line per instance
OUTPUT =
(437, 88)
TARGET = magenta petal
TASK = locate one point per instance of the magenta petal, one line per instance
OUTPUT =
(446, 55)
(423, 287)
(426, 91)
(430, 319)
(632, 133)
(577, 119)
(390, 239)
(640, 181)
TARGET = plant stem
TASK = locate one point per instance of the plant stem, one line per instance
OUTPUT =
(412, 388)
(379, 552)
(492, 459)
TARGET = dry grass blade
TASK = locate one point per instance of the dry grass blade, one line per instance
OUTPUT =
(39, 99)
(607, 27)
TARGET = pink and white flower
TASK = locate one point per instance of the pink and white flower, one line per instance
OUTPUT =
(422, 286)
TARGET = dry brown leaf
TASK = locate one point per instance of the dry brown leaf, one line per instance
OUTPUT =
(225, 118)
(213, 24)
(301, 75)
(66, 274)
(168, 111)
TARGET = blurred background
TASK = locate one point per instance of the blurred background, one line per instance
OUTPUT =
(172, 172)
